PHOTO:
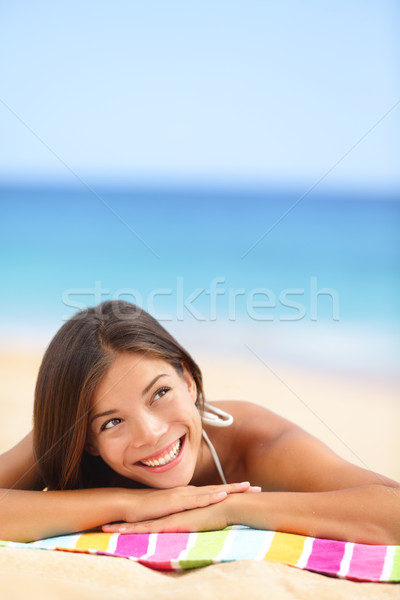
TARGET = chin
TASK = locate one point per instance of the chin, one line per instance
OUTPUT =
(169, 482)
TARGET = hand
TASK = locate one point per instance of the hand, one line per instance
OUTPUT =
(189, 509)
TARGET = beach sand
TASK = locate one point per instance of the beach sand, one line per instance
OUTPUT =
(357, 416)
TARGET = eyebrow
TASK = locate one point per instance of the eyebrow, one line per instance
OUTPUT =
(103, 414)
(152, 382)
(144, 392)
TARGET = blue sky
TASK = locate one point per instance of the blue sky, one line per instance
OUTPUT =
(254, 92)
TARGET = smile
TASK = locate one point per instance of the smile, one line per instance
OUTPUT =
(167, 456)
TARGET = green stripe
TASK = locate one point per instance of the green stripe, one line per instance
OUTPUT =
(208, 543)
(395, 574)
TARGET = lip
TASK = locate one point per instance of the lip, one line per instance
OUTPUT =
(169, 465)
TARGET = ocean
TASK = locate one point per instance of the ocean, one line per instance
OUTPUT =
(313, 279)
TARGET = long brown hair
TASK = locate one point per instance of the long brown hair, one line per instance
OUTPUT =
(74, 364)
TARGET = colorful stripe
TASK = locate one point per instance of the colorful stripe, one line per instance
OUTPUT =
(168, 548)
(395, 573)
(93, 541)
(245, 543)
(67, 542)
(326, 556)
(177, 551)
(205, 549)
(286, 548)
(367, 563)
(132, 546)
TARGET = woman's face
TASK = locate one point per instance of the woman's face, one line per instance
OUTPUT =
(144, 423)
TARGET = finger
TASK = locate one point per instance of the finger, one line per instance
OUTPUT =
(168, 524)
(112, 527)
(198, 500)
(234, 488)
(201, 519)
(206, 499)
(229, 488)
(182, 499)
(208, 518)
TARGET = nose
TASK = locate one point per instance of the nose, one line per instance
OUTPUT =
(147, 430)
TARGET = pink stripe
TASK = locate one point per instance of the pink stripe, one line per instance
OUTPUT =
(168, 547)
(326, 556)
(367, 562)
(132, 545)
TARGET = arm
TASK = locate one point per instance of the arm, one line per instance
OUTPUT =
(26, 514)
(366, 514)
(307, 489)
(311, 491)
(30, 515)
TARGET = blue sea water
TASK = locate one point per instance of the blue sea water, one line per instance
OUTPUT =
(259, 260)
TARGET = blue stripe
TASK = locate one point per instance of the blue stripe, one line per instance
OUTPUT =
(62, 541)
(246, 544)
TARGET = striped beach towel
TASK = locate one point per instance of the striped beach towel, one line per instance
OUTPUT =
(180, 551)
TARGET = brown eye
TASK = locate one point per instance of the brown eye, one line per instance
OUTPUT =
(160, 393)
(110, 424)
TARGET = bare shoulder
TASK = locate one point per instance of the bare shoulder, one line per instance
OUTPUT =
(253, 421)
(250, 423)
(279, 455)
(248, 446)
(254, 429)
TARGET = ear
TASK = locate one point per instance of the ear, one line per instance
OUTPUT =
(190, 382)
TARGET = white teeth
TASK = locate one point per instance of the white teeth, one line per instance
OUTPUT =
(165, 458)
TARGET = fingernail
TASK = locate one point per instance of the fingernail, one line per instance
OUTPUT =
(255, 488)
(245, 483)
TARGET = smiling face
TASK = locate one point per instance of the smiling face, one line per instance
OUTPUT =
(144, 423)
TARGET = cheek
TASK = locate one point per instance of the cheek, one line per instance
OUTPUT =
(187, 413)
(111, 451)
(194, 416)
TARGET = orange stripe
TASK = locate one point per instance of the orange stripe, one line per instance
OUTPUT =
(286, 548)
(93, 541)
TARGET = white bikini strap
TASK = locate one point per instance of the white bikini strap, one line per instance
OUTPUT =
(215, 457)
(215, 416)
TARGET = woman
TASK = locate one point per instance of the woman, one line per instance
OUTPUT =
(123, 439)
